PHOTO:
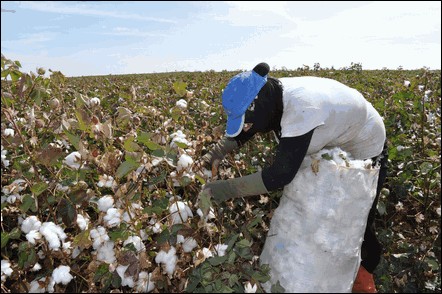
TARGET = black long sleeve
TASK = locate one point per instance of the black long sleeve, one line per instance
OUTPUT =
(289, 155)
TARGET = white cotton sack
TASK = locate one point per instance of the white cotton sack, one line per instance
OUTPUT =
(315, 235)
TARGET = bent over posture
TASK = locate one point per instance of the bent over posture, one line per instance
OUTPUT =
(307, 114)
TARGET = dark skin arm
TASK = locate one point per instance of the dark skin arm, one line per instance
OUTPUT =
(289, 155)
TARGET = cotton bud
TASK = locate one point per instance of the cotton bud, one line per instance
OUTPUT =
(94, 101)
(39, 123)
(54, 103)
(41, 71)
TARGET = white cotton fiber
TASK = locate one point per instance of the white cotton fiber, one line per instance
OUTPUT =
(316, 233)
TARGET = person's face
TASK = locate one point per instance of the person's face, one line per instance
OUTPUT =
(258, 116)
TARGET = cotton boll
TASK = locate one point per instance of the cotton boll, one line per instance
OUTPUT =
(99, 236)
(53, 233)
(16, 186)
(106, 181)
(125, 281)
(36, 267)
(105, 202)
(106, 253)
(210, 215)
(136, 241)
(5, 162)
(187, 243)
(35, 286)
(82, 222)
(61, 275)
(248, 288)
(54, 103)
(73, 160)
(32, 236)
(184, 162)
(30, 223)
(179, 212)
(156, 228)
(182, 104)
(168, 259)
(9, 132)
(220, 249)
(95, 101)
(6, 269)
(145, 283)
(112, 217)
(407, 83)
(178, 137)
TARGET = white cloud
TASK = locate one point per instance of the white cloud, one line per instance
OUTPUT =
(85, 9)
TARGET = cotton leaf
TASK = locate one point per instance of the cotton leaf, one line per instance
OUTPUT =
(180, 88)
(39, 188)
(82, 239)
(67, 212)
(49, 155)
(126, 167)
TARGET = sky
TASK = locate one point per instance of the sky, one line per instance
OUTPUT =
(84, 38)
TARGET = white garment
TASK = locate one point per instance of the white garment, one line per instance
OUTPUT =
(315, 236)
(341, 115)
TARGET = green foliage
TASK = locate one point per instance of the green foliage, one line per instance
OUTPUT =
(220, 274)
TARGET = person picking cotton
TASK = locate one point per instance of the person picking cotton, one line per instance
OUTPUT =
(307, 115)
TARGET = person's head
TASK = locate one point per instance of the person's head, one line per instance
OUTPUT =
(252, 102)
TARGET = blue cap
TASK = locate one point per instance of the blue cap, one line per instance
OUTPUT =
(237, 97)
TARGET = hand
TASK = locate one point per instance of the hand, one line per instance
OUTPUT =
(223, 190)
(208, 163)
(213, 158)
(204, 201)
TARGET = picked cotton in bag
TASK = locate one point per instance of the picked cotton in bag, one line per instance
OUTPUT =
(315, 235)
